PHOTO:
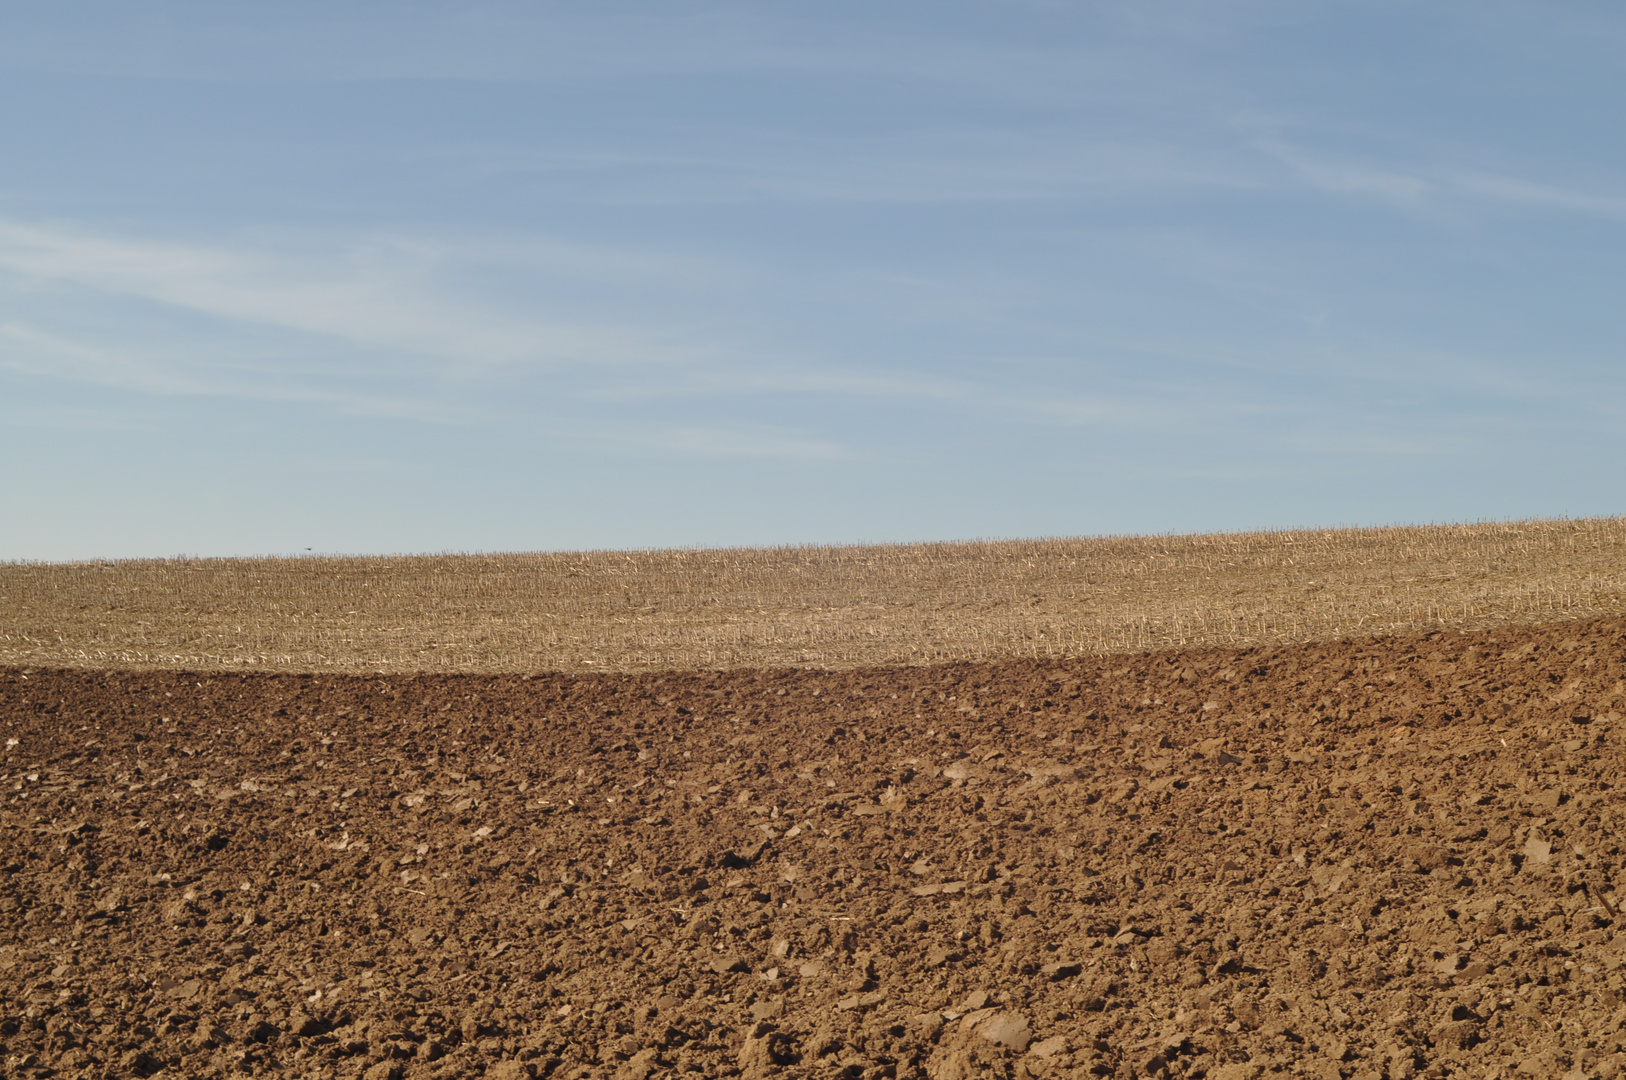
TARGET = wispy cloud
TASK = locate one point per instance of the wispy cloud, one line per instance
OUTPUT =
(216, 370)
(376, 328)
(722, 442)
(986, 166)
(1514, 191)
(1425, 186)
(375, 294)
(29, 350)
(698, 441)
(1349, 177)
(960, 48)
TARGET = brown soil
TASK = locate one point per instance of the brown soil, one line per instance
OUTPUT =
(1366, 859)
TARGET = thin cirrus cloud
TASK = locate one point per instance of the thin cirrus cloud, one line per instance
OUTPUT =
(403, 342)
(191, 369)
(383, 308)
(375, 296)
(961, 167)
(1127, 409)
(1516, 192)
(962, 48)
(407, 351)
(392, 326)
(720, 443)
(1410, 186)
(28, 350)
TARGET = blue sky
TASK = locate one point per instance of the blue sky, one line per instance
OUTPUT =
(363, 277)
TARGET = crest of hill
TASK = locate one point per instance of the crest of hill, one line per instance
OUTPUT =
(827, 607)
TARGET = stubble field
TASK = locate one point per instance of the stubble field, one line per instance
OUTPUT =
(815, 607)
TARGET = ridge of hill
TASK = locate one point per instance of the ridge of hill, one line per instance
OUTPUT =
(816, 607)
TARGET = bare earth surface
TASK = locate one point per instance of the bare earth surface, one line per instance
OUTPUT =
(1385, 858)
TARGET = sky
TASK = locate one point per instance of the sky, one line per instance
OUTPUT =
(351, 277)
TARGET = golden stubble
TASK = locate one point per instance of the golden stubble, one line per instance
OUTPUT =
(828, 607)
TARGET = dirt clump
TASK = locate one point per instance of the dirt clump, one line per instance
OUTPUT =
(1380, 859)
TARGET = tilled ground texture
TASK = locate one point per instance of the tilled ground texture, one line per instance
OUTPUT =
(1373, 859)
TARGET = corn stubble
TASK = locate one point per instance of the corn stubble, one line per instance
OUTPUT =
(829, 607)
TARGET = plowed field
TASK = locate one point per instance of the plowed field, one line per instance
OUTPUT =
(1384, 858)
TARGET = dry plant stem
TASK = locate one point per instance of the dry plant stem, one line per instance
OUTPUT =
(828, 607)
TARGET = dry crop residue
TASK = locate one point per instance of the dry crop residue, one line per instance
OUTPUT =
(1387, 858)
(816, 607)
